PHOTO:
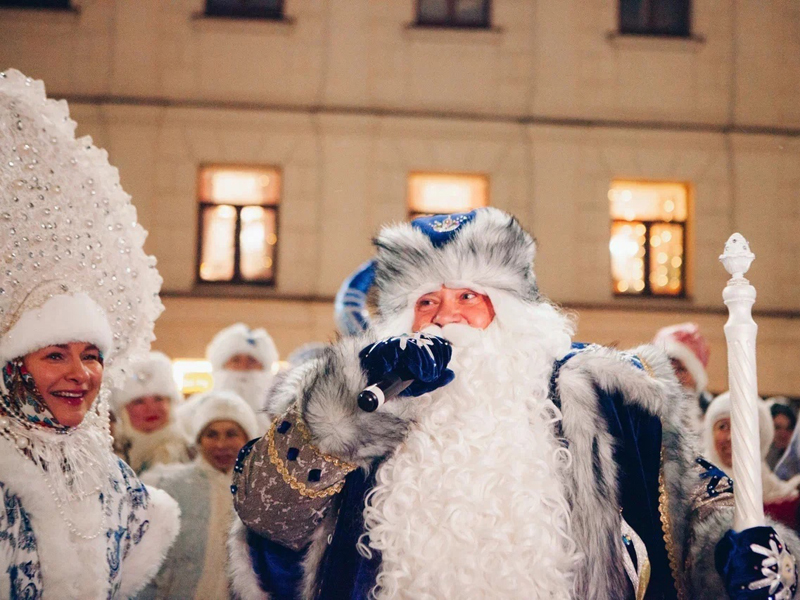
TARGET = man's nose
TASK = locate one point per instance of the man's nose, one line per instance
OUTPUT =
(448, 313)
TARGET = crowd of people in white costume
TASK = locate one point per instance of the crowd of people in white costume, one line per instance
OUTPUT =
(116, 486)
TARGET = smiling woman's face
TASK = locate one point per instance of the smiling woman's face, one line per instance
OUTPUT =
(68, 376)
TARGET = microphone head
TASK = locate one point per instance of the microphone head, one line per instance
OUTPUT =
(369, 401)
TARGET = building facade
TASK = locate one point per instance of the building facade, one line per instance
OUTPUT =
(551, 102)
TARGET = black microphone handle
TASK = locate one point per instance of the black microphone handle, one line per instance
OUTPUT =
(373, 397)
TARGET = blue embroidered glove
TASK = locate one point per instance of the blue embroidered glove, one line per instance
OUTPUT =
(420, 357)
(755, 563)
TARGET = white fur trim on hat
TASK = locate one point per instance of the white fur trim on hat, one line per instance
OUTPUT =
(219, 405)
(490, 252)
(149, 377)
(689, 359)
(60, 320)
(240, 339)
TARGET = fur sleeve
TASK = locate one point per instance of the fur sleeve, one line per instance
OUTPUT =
(327, 390)
(144, 559)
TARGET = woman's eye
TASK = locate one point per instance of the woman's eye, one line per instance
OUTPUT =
(55, 356)
(94, 357)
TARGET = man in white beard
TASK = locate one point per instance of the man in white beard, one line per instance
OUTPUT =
(522, 467)
(242, 361)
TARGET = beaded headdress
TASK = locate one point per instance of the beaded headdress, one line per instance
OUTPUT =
(68, 229)
(72, 269)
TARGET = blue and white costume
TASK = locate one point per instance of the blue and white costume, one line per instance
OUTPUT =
(543, 469)
(76, 523)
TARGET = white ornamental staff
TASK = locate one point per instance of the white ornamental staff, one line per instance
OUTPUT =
(740, 333)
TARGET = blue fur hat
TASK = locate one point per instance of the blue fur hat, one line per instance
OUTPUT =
(486, 249)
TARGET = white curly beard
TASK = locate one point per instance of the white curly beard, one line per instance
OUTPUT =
(250, 385)
(472, 504)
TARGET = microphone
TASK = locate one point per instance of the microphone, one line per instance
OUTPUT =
(373, 397)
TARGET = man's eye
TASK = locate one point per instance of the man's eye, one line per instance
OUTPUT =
(55, 356)
(468, 296)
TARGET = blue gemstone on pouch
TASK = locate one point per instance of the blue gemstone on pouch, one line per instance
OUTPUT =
(292, 454)
(314, 475)
(284, 427)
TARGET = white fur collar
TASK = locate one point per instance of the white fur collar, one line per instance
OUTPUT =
(73, 568)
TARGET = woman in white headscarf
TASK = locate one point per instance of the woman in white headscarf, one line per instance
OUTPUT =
(78, 298)
(717, 441)
(147, 433)
(220, 423)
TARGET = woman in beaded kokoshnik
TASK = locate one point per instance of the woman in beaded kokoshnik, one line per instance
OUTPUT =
(75, 522)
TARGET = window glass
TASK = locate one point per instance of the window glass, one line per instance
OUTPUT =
(654, 17)
(238, 224)
(648, 238)
(219, 226)
(257, 240)
(268, 9)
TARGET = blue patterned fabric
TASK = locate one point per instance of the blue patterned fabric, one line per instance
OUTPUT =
(756, 565)
(18, 541)
(23, 401)
(423, 358)
(441, 229)
(124, 507)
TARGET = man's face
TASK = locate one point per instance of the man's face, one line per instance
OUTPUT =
(446, 306)
(243, 362)
(684, 376)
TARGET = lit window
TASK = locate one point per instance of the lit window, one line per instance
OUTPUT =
(453, 13)
(440, 193)
(655, 17)
(252, 9)
(238, 224)
(648, 238)
(192, 375)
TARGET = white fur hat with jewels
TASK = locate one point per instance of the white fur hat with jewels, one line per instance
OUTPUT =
(151, 376)
(218, 405)
(73, 266)
(240, 339)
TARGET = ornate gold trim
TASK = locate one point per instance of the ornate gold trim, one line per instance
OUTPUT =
(292, 481)
(306, 434)
(666, 527)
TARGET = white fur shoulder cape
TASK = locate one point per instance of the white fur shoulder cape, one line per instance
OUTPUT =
(74, 568)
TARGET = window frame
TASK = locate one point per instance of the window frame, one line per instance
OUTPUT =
(204, 205)
(269, 15)
(450, 21)
(67, 7)
(647, 292)
(650, 30)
